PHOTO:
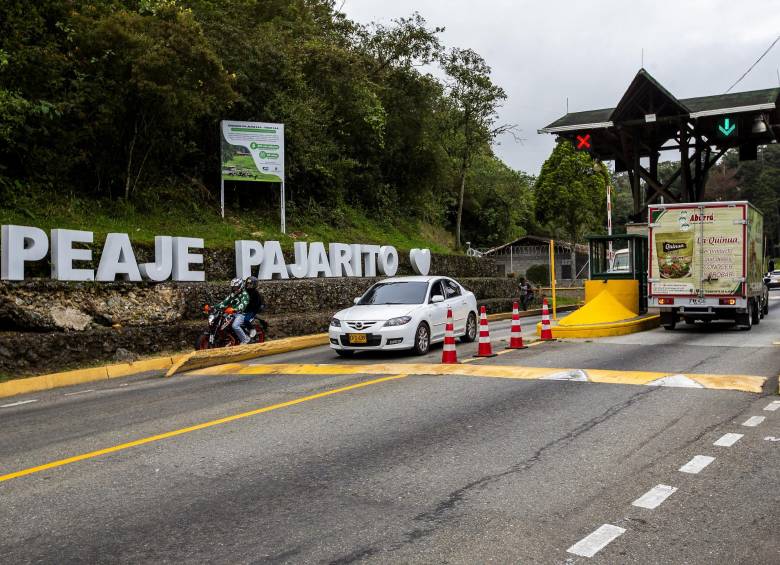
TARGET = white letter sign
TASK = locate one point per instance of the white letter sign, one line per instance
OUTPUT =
(19, 244)
(63, 255)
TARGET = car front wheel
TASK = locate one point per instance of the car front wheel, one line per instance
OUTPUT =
(422, 340)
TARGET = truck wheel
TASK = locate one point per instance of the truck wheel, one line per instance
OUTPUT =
(668, 320)
(756, 313)
(745, 321)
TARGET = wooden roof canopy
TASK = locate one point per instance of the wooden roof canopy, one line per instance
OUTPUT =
(649, 119)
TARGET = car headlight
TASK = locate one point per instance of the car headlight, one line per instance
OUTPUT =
(398, 321)
(335, 323)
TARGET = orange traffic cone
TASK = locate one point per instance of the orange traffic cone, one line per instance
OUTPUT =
(485, 349)
(546, 331)
(516, 332)
(449, 354)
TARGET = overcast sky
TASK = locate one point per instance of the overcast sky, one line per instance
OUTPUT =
(544, 51)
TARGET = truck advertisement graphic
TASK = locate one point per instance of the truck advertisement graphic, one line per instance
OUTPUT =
(697, 251)
(706, 263)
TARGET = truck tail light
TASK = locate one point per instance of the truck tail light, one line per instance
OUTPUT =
(727, 301)
(666, 301)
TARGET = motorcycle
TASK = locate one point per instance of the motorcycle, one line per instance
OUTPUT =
(220, 332)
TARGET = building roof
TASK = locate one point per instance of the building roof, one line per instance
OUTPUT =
(536, 240)
(700, 106)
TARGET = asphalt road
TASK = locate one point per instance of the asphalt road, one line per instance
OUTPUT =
(347, 468)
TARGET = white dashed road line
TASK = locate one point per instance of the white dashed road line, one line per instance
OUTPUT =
(753, 421)
(654, 497)
(696, 464)
(598, 540)
(18, 403)
(79, 392)
(728, 440)
(771, 438)
(772, 406)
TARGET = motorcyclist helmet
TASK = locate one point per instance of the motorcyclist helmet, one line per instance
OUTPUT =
(236, 285)
(251, 282)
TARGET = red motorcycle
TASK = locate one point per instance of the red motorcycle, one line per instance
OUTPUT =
(220, 332)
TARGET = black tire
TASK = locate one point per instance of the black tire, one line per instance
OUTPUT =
(422, 339)
(669, 320)
(471, 329)
(202, 342)
(745, 321)
(346, 353)
(756, 313)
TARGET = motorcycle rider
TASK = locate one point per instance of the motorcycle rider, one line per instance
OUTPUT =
(238, 300)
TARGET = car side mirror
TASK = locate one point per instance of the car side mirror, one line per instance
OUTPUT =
(357, 300)
(437, 298)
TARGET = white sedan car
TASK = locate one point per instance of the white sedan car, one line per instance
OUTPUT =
(404, 313)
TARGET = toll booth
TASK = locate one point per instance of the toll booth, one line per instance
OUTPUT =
(624, 260)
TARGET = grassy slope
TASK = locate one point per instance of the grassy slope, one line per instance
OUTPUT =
(180, 220)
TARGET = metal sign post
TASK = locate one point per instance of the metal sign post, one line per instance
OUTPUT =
(222, 195)
(282, 208)
(552, 279)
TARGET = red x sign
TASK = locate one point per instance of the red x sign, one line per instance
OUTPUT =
(583, 142)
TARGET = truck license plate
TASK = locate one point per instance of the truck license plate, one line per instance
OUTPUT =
(696, 301)
(358, 338)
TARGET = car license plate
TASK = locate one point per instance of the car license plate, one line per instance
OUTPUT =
(696, 301)
(358, 338)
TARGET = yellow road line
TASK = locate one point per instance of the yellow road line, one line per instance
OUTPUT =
(745, 383)
(189, 429)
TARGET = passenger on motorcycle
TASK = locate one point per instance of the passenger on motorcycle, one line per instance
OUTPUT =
(256, 302)
(238, 300)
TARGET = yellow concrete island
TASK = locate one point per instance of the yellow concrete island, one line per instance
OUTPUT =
(611, 308)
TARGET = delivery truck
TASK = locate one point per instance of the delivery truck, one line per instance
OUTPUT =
(706, 262)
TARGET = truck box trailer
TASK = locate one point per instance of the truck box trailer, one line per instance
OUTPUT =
(706, 262)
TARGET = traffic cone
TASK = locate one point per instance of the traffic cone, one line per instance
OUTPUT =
(516, 332)
(485, 349)
(449, 355)
(546, 331)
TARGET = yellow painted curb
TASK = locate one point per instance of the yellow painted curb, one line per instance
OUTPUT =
(79, 376)
(623, 327)
(213, 357)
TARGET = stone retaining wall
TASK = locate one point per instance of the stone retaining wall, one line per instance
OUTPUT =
(50, 326)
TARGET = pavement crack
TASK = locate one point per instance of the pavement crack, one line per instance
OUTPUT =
(433, 519)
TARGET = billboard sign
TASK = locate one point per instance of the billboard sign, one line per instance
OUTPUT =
(252, 151)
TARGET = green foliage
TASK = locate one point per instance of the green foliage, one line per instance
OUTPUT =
(110, 100)
(538, 274)
(499, 206)
(571, 193)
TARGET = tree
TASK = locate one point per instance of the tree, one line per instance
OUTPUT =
(571, 194)
(474, 100)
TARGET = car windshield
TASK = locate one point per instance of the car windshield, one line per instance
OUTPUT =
(620, 264)
(395, 293)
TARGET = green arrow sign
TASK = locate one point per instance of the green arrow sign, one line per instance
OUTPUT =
(727, 128)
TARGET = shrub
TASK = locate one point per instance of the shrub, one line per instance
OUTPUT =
(538, 274)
